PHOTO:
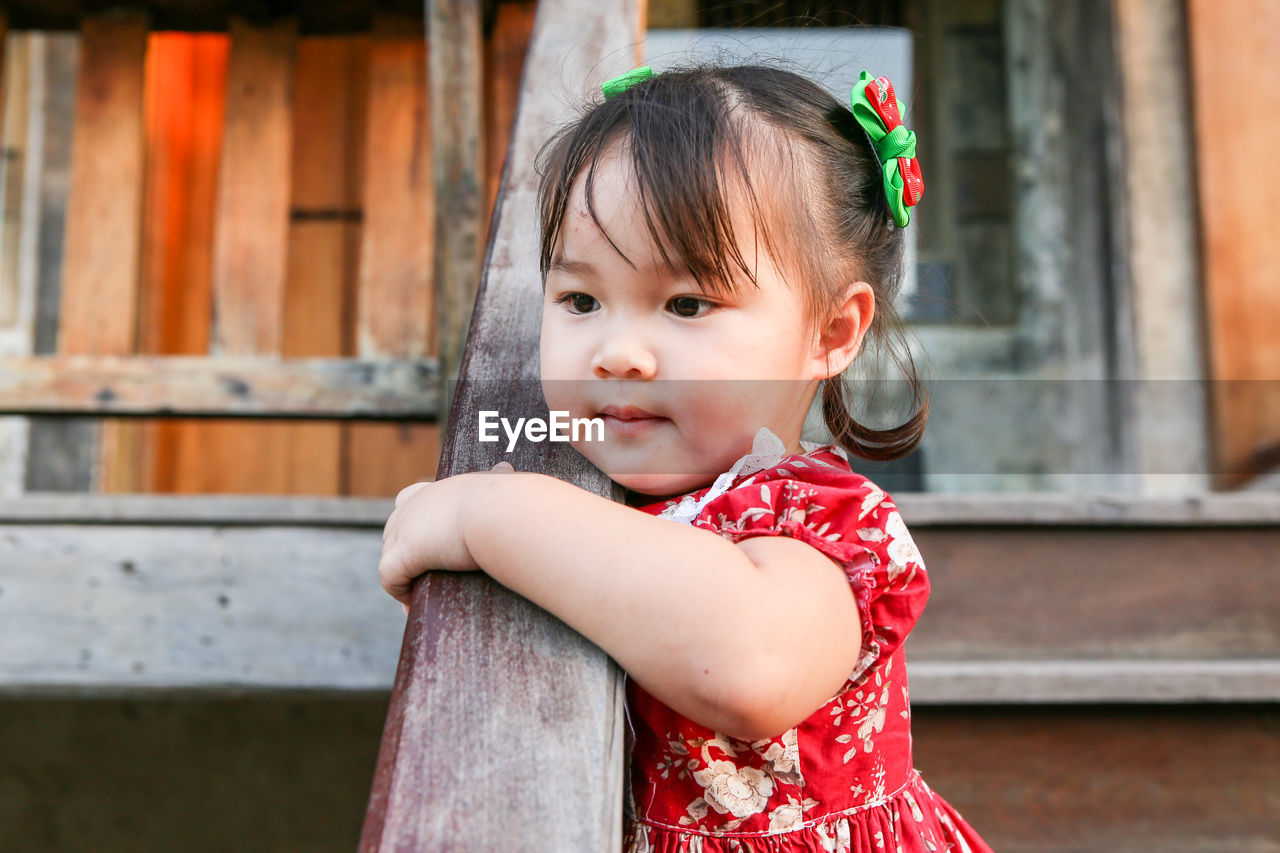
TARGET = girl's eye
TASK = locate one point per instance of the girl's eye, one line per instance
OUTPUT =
(578, 303)
(688, 306)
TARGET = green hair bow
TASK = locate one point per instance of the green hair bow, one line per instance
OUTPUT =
(876, 109)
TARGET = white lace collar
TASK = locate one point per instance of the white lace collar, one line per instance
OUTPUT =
(767, 450)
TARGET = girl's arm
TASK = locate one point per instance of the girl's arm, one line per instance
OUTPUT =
(747, 639)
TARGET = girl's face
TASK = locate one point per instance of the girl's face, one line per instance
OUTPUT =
(682, 379)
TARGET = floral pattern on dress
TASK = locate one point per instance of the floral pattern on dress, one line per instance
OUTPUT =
(843, 779)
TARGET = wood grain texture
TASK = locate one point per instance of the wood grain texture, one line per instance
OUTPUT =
(103, 232)
(182, 606)
(324, 234)
(456, 78)
(481, 669)
(1161, 630)
(185, 101)
(1132, 779)
(250, 254)
(504, 55)
(1123, 592)
(253, 191)
(1235, 73)
(104, 214)
(1165, 339)
(21, 64)
(225, 386)
(393, 301)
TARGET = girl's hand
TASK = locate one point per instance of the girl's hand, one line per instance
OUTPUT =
(425, 530)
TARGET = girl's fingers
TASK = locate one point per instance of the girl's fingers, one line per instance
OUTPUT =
(406, 608)
(503, 467)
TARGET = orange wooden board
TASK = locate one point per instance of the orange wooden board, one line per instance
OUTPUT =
(1235, 53)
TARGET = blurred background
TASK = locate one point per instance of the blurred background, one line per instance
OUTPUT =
(225, 349)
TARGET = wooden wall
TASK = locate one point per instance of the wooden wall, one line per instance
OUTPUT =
(253, 192)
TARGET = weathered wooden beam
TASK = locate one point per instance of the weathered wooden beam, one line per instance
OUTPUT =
(394, 315)
(1235, 70)
(315, 17)
(222, 386)
(456, 64)
(101, 272)
(116, 598)
(135, 580)
(482, 669)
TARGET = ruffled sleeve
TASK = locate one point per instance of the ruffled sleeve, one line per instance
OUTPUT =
(849, 519)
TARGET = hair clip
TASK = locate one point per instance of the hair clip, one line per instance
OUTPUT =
(623, 82)
(876, 109)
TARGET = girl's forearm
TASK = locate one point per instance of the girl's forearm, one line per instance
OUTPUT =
(671, 604)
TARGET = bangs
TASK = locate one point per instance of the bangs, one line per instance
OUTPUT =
(690, 146)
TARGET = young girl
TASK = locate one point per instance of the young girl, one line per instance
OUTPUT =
(717, 242)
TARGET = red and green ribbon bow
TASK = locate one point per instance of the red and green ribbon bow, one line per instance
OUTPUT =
(876, 109)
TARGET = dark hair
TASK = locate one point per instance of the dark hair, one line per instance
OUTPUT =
(692, 133)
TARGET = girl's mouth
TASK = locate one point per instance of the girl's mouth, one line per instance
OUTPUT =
(629, 421)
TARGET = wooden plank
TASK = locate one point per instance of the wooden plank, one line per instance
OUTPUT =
(100, 274)
(250, 254)
(21, 85)
(393, 291)
(1165, 340)
(324, 235)
(1235, 71)
(456, 78)
(437, 774)
(947, 513)
(315, 17)
(61, 452)
(1066, 252)
(186, 95)
(1041, 509)
(1185, 779)
(1174, 633)
(182, 607)
(951, 682)
(504, 57)
(253, 191)
(246, 386)
(1141, 593)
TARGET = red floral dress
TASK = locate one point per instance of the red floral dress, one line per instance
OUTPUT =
(841, 781)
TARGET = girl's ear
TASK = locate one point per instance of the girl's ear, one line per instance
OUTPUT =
(841, 339)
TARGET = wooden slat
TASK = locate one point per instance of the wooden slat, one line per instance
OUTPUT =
(505, 51)
(179, 606)
(324, 235)
(102, 248)
(1235, 71)
(1187, 779)
(253, 191)
(185, 102)
(21, 87)
(250, 254)
(1173, 634)
(315, 17)
(1160, 222)
(393, 301)
(247, 386)
(1166, 592)
(457, 155)
(479, 663)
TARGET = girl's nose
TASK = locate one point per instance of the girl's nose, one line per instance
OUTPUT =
(624, 357)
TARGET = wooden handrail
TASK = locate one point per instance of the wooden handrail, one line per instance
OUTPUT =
(505, 726)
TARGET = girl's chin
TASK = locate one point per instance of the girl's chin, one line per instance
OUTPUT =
(660, 485)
